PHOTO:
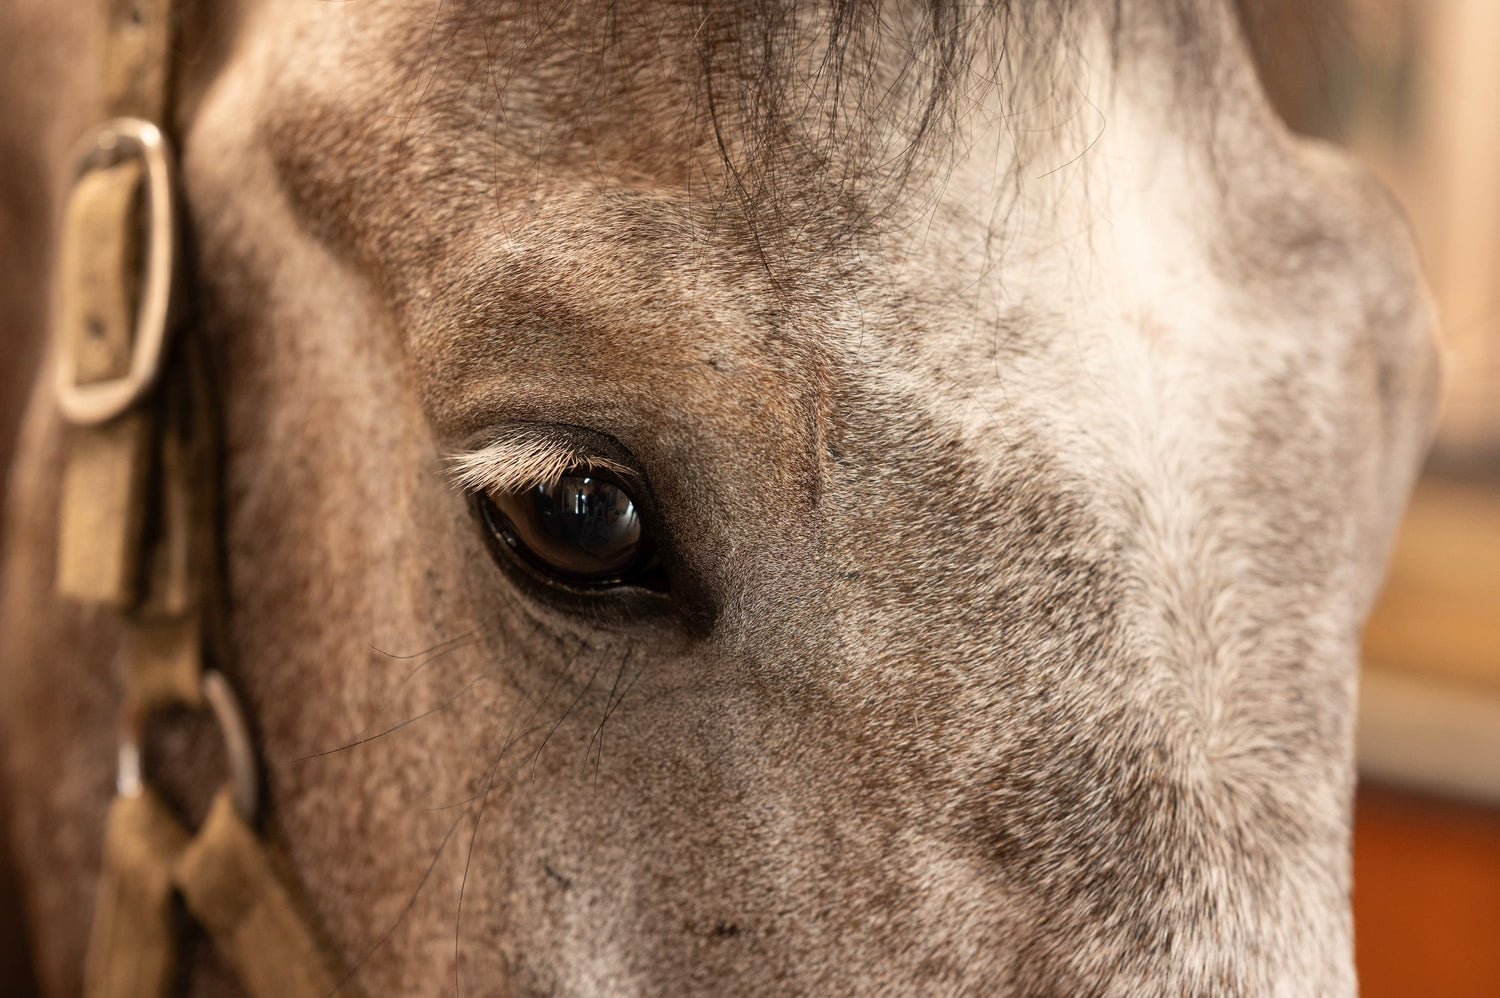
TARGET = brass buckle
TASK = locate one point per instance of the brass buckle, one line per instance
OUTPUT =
(100, 401)
(244, 775)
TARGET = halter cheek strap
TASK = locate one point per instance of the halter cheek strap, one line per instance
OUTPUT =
(138, 536)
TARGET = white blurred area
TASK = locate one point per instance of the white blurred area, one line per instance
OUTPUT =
(1412, 87)
(1430, 127)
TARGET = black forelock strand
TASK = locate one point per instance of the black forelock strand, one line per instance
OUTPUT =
(833, 105)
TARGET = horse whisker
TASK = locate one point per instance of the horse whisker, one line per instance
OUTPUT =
(396, 727)
(424, 652)
(405, 910)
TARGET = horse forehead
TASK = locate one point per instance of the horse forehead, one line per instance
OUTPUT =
(417, 163)
(418, 145)
(404, 162)
(495, 99)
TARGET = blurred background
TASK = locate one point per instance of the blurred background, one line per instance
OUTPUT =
(1413, 88)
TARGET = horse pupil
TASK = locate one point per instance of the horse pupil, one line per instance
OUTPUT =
(584, 527)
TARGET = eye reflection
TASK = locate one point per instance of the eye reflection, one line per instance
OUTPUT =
(585, 529)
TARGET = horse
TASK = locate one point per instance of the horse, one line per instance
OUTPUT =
(754, 497)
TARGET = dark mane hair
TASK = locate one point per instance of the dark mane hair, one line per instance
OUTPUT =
(844, 101)
(841, 100)
(808, 122)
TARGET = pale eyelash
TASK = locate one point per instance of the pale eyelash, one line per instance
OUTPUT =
(523, 459)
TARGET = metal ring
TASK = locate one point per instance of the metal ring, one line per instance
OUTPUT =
(244, 775)
(99, 401)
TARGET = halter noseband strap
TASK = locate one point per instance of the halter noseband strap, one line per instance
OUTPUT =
(138, 535)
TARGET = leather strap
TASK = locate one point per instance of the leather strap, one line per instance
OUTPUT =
(138, 59)
(104, 483)
(138, 536)
(232, 889)
(170, 630)
(132, 946)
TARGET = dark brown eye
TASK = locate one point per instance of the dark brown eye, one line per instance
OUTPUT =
(585, 530)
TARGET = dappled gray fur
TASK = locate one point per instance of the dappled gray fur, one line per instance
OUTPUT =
(1021, 413)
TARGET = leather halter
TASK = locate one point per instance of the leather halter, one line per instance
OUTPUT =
(138, 537)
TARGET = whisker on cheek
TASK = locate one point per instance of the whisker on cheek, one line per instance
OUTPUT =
(406, 908)
(611, 704)
(441, 645)
(397, 727)
(535, 756)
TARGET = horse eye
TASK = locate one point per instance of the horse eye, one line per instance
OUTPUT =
(585, 531)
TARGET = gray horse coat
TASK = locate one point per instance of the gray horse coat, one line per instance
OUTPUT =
(1020, 416)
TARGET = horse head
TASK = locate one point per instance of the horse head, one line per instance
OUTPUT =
(771, 497)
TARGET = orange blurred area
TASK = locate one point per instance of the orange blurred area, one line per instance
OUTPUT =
(1426, 896)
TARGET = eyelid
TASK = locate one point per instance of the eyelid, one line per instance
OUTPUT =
(525, 457)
